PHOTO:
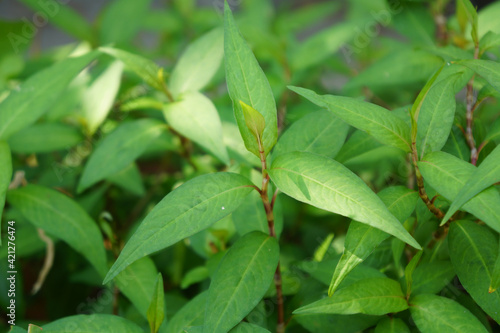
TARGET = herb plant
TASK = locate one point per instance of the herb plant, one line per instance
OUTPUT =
(345, 181)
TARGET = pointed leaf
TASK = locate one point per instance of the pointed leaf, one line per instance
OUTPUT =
(45, 138)
(431, 277)
(156, 310)
(473, 251)
(319, 132)
(489, 70)
(188, 209)
(254, 120)
(136, 282)
(448, 174)
(327, 184)
(95, 323)
(247, 82)
(60, 216)
(362, 239)
(99, 97)
(436, 116)
(191, 314)
(495, 275)
(436, 314)
(322, 45)
(241, 280)
(195, 117)
(410, 268)
(118, 149)
(143, 67)
(24, 106)
(391, 325)
(487, 174)
(467, 12)
(370, 118)
(373, 296)
(198, 64)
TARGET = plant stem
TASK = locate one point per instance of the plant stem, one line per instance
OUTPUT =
(471, 106)
(420, 183)
(280, 328)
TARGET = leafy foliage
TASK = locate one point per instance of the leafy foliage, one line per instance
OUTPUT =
(338, 173)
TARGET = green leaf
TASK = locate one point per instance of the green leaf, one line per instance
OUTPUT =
(436, 116)
(156, 310)
(95, 323)
(121, 20)
(44, 138)
(489, 70)
(188, 209)
(431, 277)
(473, 251)
(143, 67)
(253, 210)
(416, 23)
(362, 239)
(64, 17)
(255, 122)
(373, 296)
(467, 12)
(319, 132)
(191, 314)
(327, 184)
(34, 329)
(99, 97)
(5, 176)
(247, 82)
(193, 276)
(60, 216)
(25, 105)
(241, 280)
(487, 174)
(489, 41)
(129, 179)
(118, 149)
(198, 64)
(448, 174)
(195, 117)
(137, 281)
(358, 143)
(320, 323)
(495, 275)
(295, 21)
(405, 67)
(436, 314)
(410, 268)
(322, 45)
(391, 325)
(370, 118)
(248, 328)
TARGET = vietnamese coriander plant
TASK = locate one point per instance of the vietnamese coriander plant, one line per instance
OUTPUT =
(350, 186)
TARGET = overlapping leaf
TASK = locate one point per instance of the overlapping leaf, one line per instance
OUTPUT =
(247, 82)
(241, 280)
(327, 184)
(370, 118)
(190, 208)
(60, 216)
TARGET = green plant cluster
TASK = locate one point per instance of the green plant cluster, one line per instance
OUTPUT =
(277, 172)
